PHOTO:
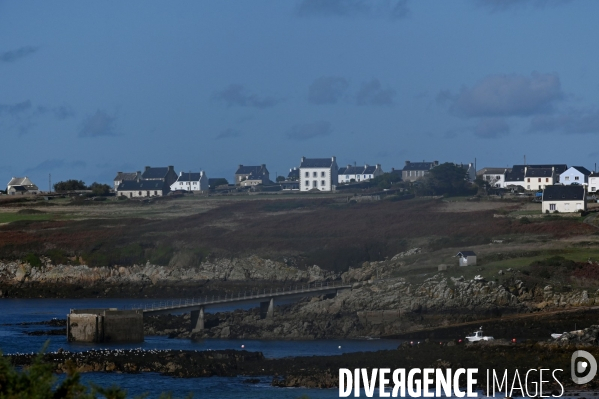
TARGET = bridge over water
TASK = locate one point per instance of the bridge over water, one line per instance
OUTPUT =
(266, 299)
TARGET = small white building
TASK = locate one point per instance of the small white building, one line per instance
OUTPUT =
(349, 174)
(564, 199)
(193, 182)
(142, 188)
(318, 174)
(593, 182)
(575, 175)
(21, 186)
(494, 176)
(466, 258)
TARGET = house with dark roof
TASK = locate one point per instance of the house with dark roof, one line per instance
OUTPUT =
(494, 176)
(576, 175)
(413, 171)
(564, 199)
(143, 188)
(192, 182)
(164, 174)
(593, 185)
(466, 258)
(21, 186)
(318, 174)
(255, 173)
(347, 174)
(293, 174)
(216, 182)
(534, 177)
(121, 176)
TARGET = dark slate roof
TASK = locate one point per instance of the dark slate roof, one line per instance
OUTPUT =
(316, 163)
(247, 170)
(357, 170)
(190, 177)
(563, 193)
(539, 172)
(293, 174)
(19, 188)
(419, 166)
(154, 173)
(582, 170)
(594, 174)
(466, 253)
(125, 176)
(515, 175)
(492, 171)
(132, 185)
(559, 168)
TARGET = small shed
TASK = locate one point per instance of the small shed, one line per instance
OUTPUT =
(466, 258)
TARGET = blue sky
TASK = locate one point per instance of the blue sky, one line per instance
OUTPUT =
(92, 88)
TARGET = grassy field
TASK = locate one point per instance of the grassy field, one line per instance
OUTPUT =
(300, 230)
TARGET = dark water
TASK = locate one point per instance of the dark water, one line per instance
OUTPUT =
(14, 340)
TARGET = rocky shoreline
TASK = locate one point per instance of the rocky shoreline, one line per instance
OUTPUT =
(323, 371)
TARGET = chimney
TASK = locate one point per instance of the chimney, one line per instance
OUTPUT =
(171, 167)
(240, 166)
(181, 173)
(333, 159)
(118, 173)
(436, 163)
(407, 163)
(392, 169)
(303, 159)
(147, 168)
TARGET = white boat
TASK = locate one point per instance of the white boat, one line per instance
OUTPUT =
(478, 336)
(556, 336)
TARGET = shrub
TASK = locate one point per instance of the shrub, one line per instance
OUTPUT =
(162, 255)
(33, 260)
(525, 220)
(58, 256)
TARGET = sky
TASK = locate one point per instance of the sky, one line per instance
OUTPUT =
(88, 89)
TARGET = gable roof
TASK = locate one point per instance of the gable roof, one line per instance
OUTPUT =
(419, 165)
(155, 173)
(582, 170)
(183, 176)
(20, 181)
(563, 193)
(251, 170)
(493, 171)
(316, 162)
(120, 176)
(539, 172)
(132, 185)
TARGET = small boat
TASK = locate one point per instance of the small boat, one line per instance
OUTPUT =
(556, 336)
(478, 336)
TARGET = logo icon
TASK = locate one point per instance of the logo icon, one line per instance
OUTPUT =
(581, 366)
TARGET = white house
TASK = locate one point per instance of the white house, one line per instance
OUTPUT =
(575, 175)
(318, 174)
(193, 182)
(564, 199)
(21, 186)
(593, 182)
(143, 188)
(534, 177)
(494, 176)
(466, 258)
(358, 173)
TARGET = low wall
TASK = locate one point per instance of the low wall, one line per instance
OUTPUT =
(105, 325)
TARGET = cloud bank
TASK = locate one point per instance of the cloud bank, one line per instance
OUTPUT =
(237, 95)
(308, 131)
(98, 125)
(372, 93)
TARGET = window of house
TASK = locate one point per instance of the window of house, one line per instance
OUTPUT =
(528, 180)
(322, 183)
(321, 174)
(307, 183)
(552, 207)
(593, 189)
(314, 174)
(567, 206)
(528, 187)
(567, 178)
(575, 177)
(498, 177)
(546, 180)
(139, 193)
(307, 174)
(539, 179)
(314, 183)
(155, 192)
(347, 177)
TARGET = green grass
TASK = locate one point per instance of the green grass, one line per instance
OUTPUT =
(14, 217)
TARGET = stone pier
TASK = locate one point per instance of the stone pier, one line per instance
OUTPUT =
(267, 309)
(105, 325)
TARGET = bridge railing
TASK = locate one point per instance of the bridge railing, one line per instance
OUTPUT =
(239, 296)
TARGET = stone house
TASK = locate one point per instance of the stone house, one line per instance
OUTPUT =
(122, 176)
(166, 175)
(21, 186)
(143, 188)
(256, 172)
(413, 171)
(318, 174)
